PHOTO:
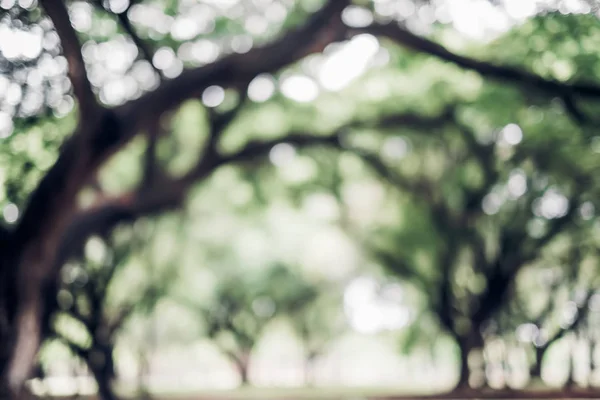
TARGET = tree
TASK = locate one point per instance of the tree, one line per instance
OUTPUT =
(318, 323)
(243, 305)
(86, 315)
(53, 224)
(479, 237)
(52, 214)
(568, 280)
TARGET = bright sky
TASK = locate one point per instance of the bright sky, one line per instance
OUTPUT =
(369, 312)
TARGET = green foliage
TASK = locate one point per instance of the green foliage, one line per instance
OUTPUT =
(435, 205)
(243, 304)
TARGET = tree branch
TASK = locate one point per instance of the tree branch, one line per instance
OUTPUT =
(79, 351)
(151, 167)
(58, 13)
(324, 27)
(508, 264)
(582, 311)
(144, 47)
(218, 123)
(53, 198)
(404, 38)
(165, 195)
(141, 44)
(401, 268)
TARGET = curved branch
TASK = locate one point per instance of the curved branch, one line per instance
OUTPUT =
(566, 91)
(323, 28)
(58, 13)
(141, 44)
(94, 142)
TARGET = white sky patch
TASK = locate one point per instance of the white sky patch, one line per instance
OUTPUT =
(6, 125)
(517, 184)
(282, 154)
(322, 206)
(575, 6)
(163, 58)
(512, 134)
(587, 211)
(256, 25)
(184, 28)
(526, 333)
(357, 17)
(213, 96)
(395, 148)
(370, 313)
(276, 12)
(479, 19)
(95, 249)
(118, 55)
(348, 63)
(300, 88)
(81, 16)
(11, 213)
(112, 93)
(552, 204)
(118, 6)
(241, 44)
(521, 9)
(261, 88)
(18, 44)
(492, 203)
(205, 51)
(174, 69)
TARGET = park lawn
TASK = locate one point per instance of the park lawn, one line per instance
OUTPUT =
(282, 393)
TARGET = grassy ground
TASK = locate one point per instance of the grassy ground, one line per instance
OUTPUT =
(317, 393)
(377, 393)
(360, 393)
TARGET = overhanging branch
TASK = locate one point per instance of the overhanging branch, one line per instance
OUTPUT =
(141, 44)
(58, 13)
(411, 41)
(566, 91)
(324, 27)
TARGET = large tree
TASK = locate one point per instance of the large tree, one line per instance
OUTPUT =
(55, 221)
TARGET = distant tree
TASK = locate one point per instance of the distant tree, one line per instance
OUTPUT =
(318, 323)
(463, 241)
(553, 301)
(243, 305)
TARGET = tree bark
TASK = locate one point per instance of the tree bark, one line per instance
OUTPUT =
(309, 366)
(535, 372)
(101, 364)
(465, 371)
(243, 367)
(472, 341)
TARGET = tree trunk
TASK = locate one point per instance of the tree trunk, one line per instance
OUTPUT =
(105, 390)
(592, 364)
(27, 272)
(466, 344)
(101, 364)
(143, 375)
(465, 371)
(243, 371)
(535, 372)
(309, 370)
(242, 363)
(20, 338)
